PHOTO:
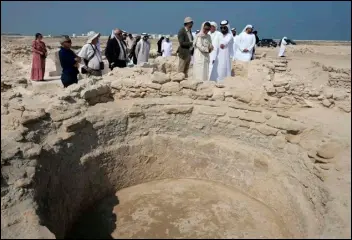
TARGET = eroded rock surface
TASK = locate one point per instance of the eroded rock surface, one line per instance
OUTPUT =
(263, 140)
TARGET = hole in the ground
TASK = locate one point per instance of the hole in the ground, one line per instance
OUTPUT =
(178, 208)
(165, 187)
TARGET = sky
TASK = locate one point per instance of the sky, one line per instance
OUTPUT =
(300, 20)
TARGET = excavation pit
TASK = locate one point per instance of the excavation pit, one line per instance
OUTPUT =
(179, 208)
(169, 187)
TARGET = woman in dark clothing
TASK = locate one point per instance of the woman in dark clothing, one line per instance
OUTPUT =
(159, 45)
(69, 62)
(133, 49)
(256, 37)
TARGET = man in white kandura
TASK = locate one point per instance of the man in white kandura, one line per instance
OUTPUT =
(143, 49)
(222, 65)
(235, 36)
(166, 47)
(245, 44)
(215, 37)
(202, 47)
(283, 47)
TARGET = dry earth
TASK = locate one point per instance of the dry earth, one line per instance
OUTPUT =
(143, 152)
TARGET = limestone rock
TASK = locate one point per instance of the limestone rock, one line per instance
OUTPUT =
(135, 111)
(89, 93)
(280, 90)
(23, 183)
(171, 87)
(218, 94)
(293, 138)
(161, 78)
(278, 142)
(252, 117)
(74, 124)
(155, 86)
(279, 83)
(329, 150)
(178, 109)
(32, 117)
(243, 96)
(210, 111)
(189, 84)
(266, 130)
(116, 85)
(326, 103)
(177, 77)
(33, 151)
(285, 124)
(346, 107)
(269, 88)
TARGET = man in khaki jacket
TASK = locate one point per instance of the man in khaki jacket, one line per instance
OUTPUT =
(185, 50)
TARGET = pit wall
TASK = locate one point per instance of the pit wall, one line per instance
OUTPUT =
(56, 140)
(73, 169)
(279, 89)
(146, 158)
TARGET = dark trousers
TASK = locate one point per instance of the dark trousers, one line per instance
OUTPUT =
(68, 79)
(119, 64)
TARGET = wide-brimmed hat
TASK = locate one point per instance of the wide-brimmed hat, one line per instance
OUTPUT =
(64, 38)
(145, 35)
(188, 20)
(92, 35)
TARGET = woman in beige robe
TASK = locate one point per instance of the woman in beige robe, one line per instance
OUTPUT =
(202, 48)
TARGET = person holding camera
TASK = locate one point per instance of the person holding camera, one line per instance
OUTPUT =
(93, 63)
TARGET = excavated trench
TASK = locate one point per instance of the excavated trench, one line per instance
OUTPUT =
(163, 186)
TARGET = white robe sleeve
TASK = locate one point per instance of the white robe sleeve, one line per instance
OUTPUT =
(230, 46)
(138, 47)
(239, 43)
(200, 46)
(227, 40)
(251, 46)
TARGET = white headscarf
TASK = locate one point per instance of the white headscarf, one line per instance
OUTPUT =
(247, 26)
(112, 34)
(214, 24)
(227, 24)
(143, 49)
(284, 38)
(200, 34)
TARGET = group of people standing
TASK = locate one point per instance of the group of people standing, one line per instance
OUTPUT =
(212, 50)
(164, 47)
(121, 49)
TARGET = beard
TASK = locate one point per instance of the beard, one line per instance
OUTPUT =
(224, 31)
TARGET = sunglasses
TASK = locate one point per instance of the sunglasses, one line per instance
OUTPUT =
(224, 27)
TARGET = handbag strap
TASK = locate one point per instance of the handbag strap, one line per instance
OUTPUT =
(93, 53)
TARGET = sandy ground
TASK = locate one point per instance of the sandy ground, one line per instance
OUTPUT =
(305, 62)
